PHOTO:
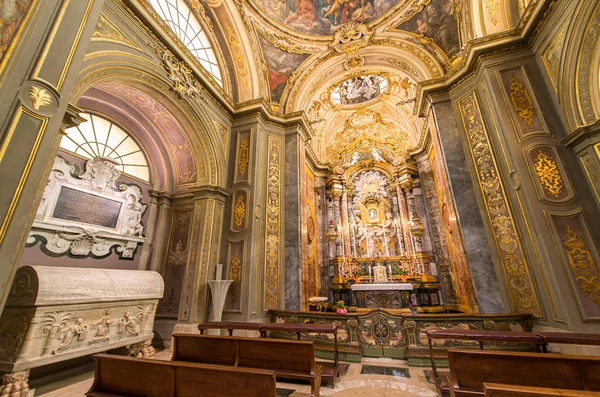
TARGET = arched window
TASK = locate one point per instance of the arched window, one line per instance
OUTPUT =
(182, 20)
(99, 137)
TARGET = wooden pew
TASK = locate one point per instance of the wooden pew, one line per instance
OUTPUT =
(329, 370)
(499, 390)
(118, 376)
(480, 336)
(571, 338)
(289, 359)
(230, 326)
(470, 368)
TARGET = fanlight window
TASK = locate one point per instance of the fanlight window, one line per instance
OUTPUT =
(182, 20)
(99, 137)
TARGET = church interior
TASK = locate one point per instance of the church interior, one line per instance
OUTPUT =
(403, 195)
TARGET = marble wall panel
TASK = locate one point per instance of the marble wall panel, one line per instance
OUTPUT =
(239, 211)
(548, 174)
(243, 159)
(175, 262)
(477, 248)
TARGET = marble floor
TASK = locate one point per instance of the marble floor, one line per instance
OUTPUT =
(371, 378)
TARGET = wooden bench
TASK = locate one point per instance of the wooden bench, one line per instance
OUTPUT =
(118, 376)
(470, 368)
(499, 390)
(480, 336)
(230, 326)
(330, 370)
(570, 338)
(289, 359)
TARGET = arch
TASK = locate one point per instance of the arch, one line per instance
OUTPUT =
(579, 86)
(188, 115)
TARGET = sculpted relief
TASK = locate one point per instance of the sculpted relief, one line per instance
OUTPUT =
(88, 214)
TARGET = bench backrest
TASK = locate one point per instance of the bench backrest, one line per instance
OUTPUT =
(133, 377)
(277, 354)
(205, 349)
(471, 368)
(282, 355)
(498, 390)
(126, 376)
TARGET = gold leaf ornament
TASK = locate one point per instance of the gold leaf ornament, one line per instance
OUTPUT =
(244, 157)
(583, 265)
(521, 101)
(39, 97)
(549, 174)
(239, 212)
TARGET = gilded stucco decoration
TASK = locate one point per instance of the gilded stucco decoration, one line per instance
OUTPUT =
(492, 6)
(239, 211)
(521, 101)
(235, 274)
(365, 131)
(551, 56)
(549, 174)
(514, 264)
(238, 56)
(585, 268)
(181, 76)
(273, 220)
(243, 156)
(107, 31)
(39, 97)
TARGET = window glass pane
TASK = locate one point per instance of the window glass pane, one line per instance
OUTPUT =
(181, 19)
(100, 137)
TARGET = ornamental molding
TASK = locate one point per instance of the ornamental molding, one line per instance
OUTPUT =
(508, 242)
(273, 224)
(351, 38)
(88, 214)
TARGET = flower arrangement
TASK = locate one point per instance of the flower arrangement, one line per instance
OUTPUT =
(413, 308)
(340, 307)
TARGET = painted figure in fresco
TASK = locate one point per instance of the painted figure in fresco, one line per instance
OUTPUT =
(437, 22)
(11, 14)
(305, 14)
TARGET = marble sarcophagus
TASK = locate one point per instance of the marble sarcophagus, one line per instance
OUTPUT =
(56, 313)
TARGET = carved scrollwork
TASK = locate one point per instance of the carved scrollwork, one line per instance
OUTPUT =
(351, 37)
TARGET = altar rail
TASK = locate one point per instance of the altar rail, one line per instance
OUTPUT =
(381, 333)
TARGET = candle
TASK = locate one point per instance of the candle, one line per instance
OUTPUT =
(390, 269)
(369, 270)
(219, 272)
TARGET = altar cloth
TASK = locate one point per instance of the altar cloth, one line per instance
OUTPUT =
(382, 287)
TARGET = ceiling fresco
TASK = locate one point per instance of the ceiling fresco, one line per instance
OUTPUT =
(437, 22)
(322, 17)
(280, 66)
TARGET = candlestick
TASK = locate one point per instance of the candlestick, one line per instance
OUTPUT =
(390, 269)
(369, 270)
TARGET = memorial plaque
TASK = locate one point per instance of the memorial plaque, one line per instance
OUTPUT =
(77, 206)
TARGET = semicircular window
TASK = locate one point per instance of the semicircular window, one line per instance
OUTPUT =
(182, 20)
(359, 89)
(99, 137)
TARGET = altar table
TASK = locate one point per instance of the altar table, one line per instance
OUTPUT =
(390, 295)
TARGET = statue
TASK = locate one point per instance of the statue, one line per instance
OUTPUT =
(376, 153)
(103, 325)
(130, 325)
(134, 221)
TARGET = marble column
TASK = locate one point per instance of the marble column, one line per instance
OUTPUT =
(294, 148)
(43, 61)
(487, 285)
(337, 221)
(404, 221)
(153, 253)
(345, 225)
